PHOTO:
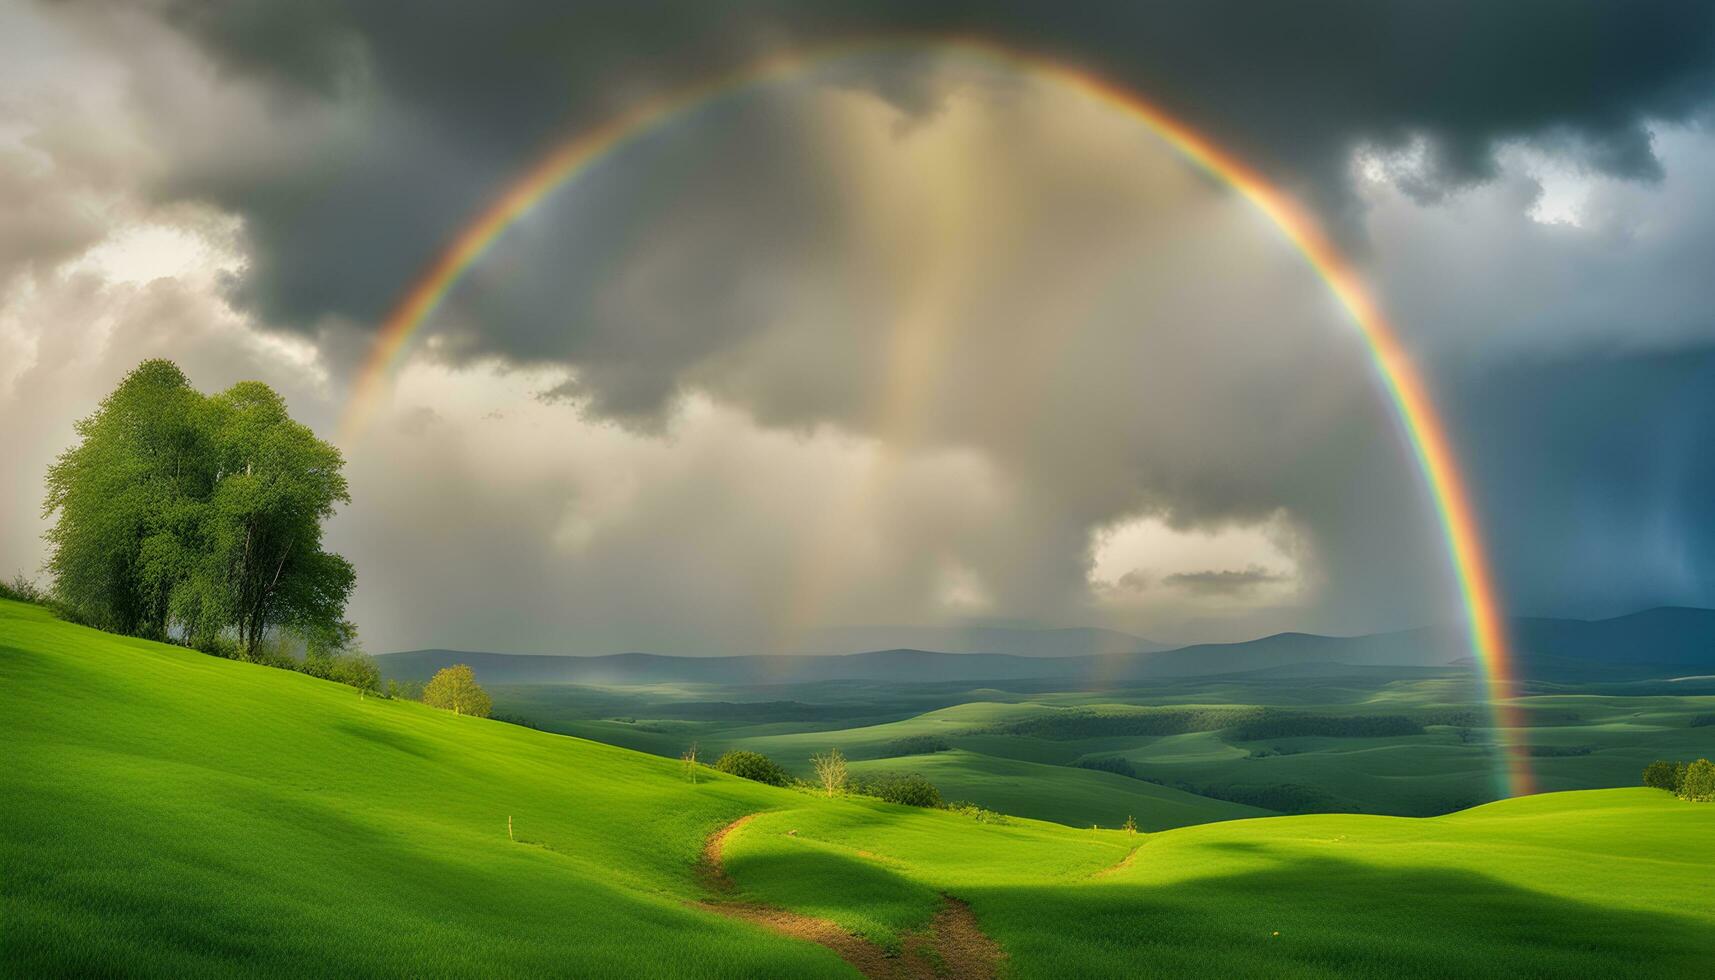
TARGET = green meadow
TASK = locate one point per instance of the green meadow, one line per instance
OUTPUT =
(1026, 751)
(173, 814)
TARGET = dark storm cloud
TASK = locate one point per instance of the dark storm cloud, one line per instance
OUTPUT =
(1595, 473)
(1231, 582)
(470, 91)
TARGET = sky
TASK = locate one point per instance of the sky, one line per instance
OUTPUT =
(906, 337)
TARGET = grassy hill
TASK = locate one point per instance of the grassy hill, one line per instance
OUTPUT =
(168, 813)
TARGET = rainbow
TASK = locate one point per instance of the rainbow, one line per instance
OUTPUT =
(1406, 390)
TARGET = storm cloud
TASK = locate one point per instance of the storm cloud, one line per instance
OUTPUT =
(905, 338)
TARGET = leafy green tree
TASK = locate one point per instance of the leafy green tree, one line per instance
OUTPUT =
(455, 689)
(1662, 775)
(263, 565)
(753, 765)
(179, 514)
(1698, 783)
(130, 498)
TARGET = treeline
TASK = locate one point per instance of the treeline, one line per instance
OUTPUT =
(1694, 781)
(1242, 724)
(1283, 725)
(197, 519)
(1085, 723)
(914, 745)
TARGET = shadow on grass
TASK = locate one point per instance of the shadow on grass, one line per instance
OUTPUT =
(387, 737)
(1299, 917)
(1331, 917)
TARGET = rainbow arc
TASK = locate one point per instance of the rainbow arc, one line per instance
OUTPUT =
(1406, 390)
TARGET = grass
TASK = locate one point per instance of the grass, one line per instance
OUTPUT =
(172, 814)
(1586, 737)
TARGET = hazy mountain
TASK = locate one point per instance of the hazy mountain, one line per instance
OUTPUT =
(1019, 642)
(1657, 642)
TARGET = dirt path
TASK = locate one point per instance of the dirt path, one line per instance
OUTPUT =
(1121, 864)
(953, 946)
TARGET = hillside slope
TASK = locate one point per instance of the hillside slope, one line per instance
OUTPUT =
(169, 813)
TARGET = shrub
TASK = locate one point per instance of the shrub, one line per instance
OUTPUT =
(1703, 721)
(753, 765)
(978, 813)
(1698, 783)
(907, 789)
(21, 589)
(1661, 774)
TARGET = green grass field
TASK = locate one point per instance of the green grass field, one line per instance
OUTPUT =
(172, 814)
(1583, 738)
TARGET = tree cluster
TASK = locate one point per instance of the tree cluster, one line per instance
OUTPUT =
(198, 519)
(1693, 781)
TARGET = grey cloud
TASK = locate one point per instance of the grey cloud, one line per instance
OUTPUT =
(1228, 582)
(469, 95)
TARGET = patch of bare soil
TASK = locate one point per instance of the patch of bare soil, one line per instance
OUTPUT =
(952, 947)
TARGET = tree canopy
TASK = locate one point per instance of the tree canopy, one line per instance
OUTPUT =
(198, 518)
(455, 689)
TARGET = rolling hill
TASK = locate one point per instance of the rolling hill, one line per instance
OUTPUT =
(173, 814)
(1654, 643)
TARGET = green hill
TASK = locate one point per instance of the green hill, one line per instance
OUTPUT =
(169, 813)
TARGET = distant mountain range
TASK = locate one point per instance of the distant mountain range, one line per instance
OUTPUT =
(1655, 643)
(1015, 641)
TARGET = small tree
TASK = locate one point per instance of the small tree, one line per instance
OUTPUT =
(688, 761)
(831, 771)
(1662, 775)
(1699, 782)
(455, 689)
(1130, 825)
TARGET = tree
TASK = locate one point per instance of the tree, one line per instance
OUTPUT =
(1662, 775)
(753, 765)
(1699, 782)
(130, 498)
(831, 771)
(1130, 825)
(455, 689)
(688, 762)
(196, 518)
(263, 564)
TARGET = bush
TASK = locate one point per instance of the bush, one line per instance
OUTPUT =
(753, 765)
(1703, 721)
(978, 813)
(907, 789)
(21, 589)
(1698, 783)
(1661, 774)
